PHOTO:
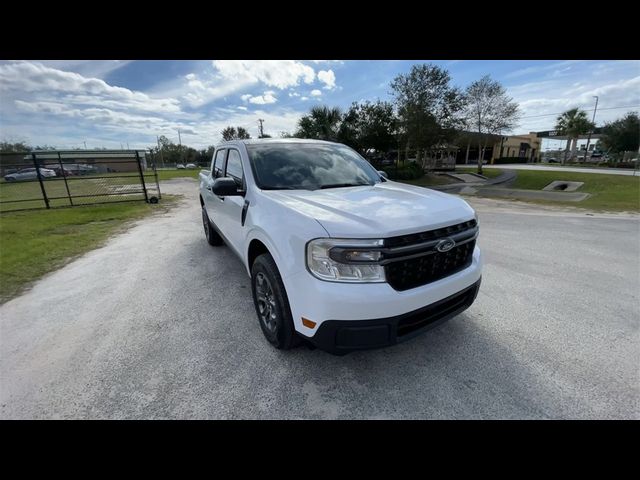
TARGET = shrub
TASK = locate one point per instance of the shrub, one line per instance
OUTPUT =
(410, 171)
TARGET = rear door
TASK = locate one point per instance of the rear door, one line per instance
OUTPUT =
(212, 202)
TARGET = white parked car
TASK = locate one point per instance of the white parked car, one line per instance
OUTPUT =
(337, 254)
(29, 174)
(180, 166)
(191, 166)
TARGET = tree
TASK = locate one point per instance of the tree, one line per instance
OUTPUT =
(231, 133)
(322, 123)
(623, 135)
(490, 111)
(14, 147)
(242, 133)
(573, 123)
(428, 106)
(368, 126)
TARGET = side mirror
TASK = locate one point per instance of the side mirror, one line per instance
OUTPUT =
(382, 173)
(225, 187)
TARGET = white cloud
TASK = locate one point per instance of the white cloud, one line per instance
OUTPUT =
(273, 73)
(304, 98)
(263, 99)
(294, 94)
(35, 79)
(245, 97)
(241, 108)
(328, 78)
(316, 93)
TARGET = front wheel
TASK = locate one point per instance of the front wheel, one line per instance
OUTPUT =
(272, 304)
(213, 237)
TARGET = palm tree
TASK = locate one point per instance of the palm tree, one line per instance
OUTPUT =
(321, 123)
(573, 123)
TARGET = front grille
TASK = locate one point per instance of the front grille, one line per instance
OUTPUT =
(435, 312)
(404, 274)
(413, 238)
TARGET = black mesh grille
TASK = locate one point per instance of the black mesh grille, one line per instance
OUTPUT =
(414, 272)
(404, 240)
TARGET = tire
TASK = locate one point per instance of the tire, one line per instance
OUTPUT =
(274, 313)
(213, 237)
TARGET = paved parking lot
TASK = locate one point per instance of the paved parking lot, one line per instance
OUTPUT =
(158, 324)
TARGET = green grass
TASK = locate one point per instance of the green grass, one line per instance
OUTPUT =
(487, 172)
(37, 242)
(609, 192)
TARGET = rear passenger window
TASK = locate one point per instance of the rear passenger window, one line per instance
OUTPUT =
(234, 167)
(218, 164)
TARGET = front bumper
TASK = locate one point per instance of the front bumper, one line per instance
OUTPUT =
(343, 336)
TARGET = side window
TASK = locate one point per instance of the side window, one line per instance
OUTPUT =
(218, 164)
(234, 167)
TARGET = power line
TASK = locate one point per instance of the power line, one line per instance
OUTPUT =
(585, 109)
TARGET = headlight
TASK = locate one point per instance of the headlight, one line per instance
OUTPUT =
(345, 260)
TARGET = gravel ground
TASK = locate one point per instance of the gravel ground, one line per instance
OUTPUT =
(158, 324)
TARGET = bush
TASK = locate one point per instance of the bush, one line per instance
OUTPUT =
(617, 164)
(410, 171)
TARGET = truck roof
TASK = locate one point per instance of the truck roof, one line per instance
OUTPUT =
(257, 141)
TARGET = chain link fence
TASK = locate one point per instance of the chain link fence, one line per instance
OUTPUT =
(53, 179)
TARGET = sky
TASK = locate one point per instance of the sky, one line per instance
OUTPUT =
(114, 104)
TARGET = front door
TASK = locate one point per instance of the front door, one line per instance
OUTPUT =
(231, 207)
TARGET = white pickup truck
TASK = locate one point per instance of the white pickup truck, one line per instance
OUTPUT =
(338, 255)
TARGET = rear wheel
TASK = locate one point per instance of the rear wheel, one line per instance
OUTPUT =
(213, 237)
(272, 304)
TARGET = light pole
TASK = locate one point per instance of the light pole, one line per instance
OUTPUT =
(586, 151)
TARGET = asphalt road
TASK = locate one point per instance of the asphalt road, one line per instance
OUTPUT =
(158, 324)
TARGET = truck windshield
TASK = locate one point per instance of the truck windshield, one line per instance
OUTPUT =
(308, 166)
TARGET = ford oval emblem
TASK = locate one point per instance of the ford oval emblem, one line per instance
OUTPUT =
(445, 244)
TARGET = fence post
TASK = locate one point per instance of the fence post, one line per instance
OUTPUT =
(64, 175)
(155, 172)
(144, 186)
(44, 193)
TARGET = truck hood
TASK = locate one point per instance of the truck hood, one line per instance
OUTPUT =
(382, 210)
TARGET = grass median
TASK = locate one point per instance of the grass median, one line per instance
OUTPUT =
(34, 243)
(608, 192)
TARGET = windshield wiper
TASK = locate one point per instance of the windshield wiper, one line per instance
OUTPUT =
(338, 185)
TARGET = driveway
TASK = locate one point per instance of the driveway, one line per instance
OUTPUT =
(158, 324)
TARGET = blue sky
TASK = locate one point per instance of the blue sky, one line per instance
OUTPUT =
(112, 103)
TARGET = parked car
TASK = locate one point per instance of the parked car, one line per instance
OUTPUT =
(180, 166)
(337, 254)
(552, 160)
(29, 174)
(191, 166)
(62, 171)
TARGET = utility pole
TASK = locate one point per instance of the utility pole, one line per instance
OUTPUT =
(179, 139)
(586, 151)
(261, 131)
(85, 145)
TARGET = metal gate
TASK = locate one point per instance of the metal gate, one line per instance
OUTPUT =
(53, 179)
